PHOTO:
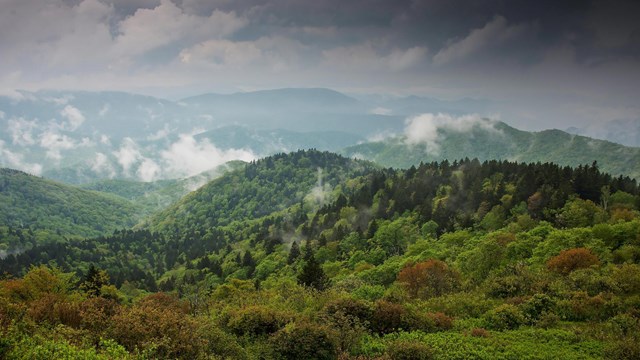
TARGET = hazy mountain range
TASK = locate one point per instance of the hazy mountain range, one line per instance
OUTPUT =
(81, 137)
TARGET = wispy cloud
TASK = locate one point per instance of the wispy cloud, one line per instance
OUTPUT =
(425, 129)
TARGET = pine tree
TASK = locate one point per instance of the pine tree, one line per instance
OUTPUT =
(294, 253)
(312, 274)
(94, 280)
(249, 263)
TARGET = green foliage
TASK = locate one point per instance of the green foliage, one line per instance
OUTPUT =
(256, 321)
(39, 204)
(421, 263)
(304, 341)
(504, 317)
(312, 274)
(505, 142)
(409, 350)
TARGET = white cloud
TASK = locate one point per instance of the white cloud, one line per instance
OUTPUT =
(149, 29)
(104, 110)
(148, 170)
(62, 100)
(128, 154)
(102, 165)
(187, 157)
(404, 59)
(73, 116)
(21, 131)
(275, 54)
(424, 129)
(380, 111)
(160, 134)
(104, 139)
(368, 57)
(221, 53)
(16, 161)
(494, 32)
(54, 143)
(2, 115)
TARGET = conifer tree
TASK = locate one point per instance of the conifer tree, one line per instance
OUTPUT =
(294, 253)
(312, 274)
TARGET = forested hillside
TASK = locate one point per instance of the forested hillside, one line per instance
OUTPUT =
(488, 140)
(31, 202)
(312, 255)
(261, 188)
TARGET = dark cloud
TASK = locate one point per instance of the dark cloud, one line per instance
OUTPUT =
(531, 53)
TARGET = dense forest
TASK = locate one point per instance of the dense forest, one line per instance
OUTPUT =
(40, 204)
(310, 255)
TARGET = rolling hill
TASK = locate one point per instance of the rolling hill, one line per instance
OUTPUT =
(39, 204)
(496, 140)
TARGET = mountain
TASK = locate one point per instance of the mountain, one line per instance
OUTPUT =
(621, 131)
(277, 140)
(263, 187)
(295, 109)
(444, 260)
(157, 195)
(28, 201)
(487, 140)
(79, 137)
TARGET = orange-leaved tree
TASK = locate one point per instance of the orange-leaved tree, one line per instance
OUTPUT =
(429, 278)
(572, 259)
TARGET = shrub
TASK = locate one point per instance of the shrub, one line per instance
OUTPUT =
(627, 348)
(429, 278)
(353, 308)
(256, 321)
(304, 341)
(158, 323)
(480, 332)
(427, 322)
(536, 306)
(387, 317)
(572, 259)
(409, 350)
(504, 317)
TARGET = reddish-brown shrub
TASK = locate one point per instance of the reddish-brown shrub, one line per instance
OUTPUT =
(572, 259)
(480, 332)
(428, 278)
(159, 321)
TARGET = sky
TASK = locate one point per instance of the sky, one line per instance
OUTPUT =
(545, 63)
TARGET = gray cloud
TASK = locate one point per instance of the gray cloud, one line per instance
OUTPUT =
(542, 61)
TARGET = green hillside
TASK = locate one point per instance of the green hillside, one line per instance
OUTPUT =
(446, 260)
(261, 188)
(40, 204)
(502, 142)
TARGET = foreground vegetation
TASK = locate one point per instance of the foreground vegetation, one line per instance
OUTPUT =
(462, 260)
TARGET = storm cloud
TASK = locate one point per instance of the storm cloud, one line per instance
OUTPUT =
(542, 64)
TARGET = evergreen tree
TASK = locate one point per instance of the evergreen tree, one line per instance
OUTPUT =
(312, 274)
(249, 263)
(294, 253)
(94, 280)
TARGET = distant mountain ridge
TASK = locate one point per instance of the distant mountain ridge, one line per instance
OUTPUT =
(501, 141)
(622, 131)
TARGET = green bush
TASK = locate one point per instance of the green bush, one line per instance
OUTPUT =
(352, 308)
(409, 350)
(534, 308)
(304, 340)
(256, 321)
(504, 317)
(387, 317)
